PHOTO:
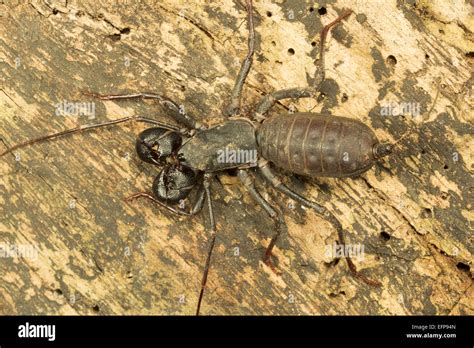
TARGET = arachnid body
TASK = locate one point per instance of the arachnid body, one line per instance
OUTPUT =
(303, 143)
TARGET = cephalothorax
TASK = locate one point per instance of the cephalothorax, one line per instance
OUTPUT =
(309, 144)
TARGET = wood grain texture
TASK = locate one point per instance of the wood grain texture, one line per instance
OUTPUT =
(99, 255)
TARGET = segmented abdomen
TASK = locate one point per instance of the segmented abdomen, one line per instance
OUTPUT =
(317, 145)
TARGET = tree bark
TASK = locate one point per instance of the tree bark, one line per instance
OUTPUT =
(96, 254)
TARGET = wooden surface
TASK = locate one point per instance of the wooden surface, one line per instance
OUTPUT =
(99, 255)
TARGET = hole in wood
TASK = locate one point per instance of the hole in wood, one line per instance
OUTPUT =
(463, 267)
(426, 213)
(391, 60)
(385, 236)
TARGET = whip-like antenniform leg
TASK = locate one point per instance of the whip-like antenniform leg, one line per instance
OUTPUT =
(90, 127)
